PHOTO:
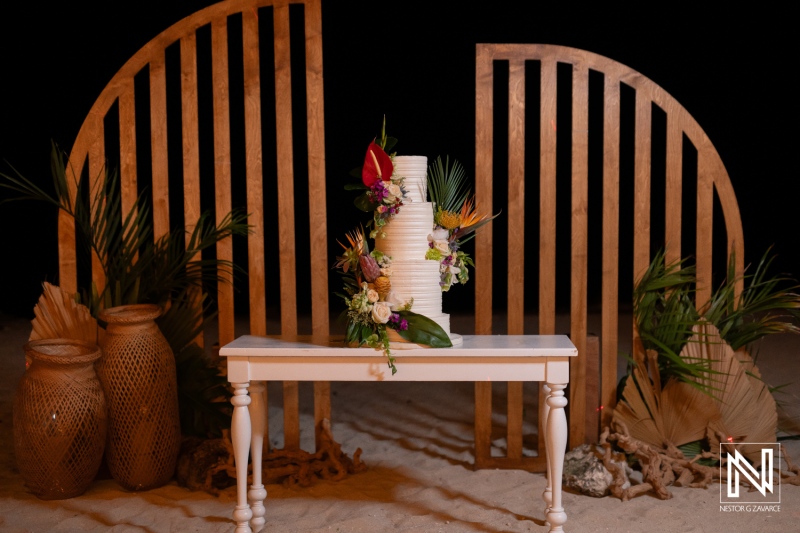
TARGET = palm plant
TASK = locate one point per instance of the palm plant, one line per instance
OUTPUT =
(169, 271)
(665, 313)
(694, 384)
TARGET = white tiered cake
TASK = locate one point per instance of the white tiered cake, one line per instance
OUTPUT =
(405, 240)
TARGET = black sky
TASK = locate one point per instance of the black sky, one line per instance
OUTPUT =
(731, 70)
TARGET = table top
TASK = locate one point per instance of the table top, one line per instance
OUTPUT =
(472, 346)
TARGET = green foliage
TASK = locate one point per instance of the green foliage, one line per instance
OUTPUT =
(664, 315)
(447, 185)
(664, 312)
(766, 305)
(423, 330)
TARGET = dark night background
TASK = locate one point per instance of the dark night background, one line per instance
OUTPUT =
(731, 71)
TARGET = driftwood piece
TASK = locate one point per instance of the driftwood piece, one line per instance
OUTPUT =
(207, 464)
(664, 467)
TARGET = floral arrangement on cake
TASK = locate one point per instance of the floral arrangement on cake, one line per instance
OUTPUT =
(383, 193)
(456, 221)
(372, 309)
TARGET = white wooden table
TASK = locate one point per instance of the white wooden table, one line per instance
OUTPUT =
(480, 357)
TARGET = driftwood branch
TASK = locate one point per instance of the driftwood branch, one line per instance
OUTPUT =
(208, 464)
(664, 467)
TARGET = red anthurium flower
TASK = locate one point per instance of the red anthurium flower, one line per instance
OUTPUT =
(377, 166)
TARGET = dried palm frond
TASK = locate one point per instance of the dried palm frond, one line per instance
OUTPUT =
(58, 314)
(664, 418)
(747, 408)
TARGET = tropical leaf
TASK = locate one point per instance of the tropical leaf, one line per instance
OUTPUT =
(447, 185)
(766, 305)
(423, 330)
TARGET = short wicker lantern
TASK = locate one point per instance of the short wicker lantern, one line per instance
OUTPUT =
(59, 418)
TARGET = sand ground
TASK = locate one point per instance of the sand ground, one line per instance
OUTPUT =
(416, 440)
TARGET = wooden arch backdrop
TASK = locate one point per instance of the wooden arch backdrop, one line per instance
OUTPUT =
(492, 166)
(139, 93)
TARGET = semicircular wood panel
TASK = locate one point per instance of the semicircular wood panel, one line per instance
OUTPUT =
(594, 125)
(201, 118)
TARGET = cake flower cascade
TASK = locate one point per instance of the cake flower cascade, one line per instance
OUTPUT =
(373, 309)
(393, 290)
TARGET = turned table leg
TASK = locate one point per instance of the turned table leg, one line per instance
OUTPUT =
(556, 443)
(240, 438)
(547, 495)
(257, 493)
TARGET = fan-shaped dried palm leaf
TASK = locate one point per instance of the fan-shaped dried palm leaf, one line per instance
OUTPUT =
(59, 315)
(664, 418)
(747, 407)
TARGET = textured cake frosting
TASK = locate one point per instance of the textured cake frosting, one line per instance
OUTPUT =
(405, 240)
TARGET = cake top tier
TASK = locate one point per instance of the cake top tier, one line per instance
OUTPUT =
(414, 168)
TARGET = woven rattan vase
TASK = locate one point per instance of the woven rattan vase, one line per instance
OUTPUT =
(137, 371)
(59, 418)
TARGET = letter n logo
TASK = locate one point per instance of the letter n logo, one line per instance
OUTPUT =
(740, 470)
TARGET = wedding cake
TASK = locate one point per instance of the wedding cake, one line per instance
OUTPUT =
(405, 239)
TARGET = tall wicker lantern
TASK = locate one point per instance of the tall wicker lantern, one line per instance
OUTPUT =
(137, 371)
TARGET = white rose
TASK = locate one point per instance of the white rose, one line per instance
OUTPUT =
(386, 271)
(442, 246)
(372, 296)
(381, 311)
(439, 234)
(453, 270)
(394, 190)
(394, 301)
(390, 199)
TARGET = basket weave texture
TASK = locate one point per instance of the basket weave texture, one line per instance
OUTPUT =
(137, 371)
(59, 418)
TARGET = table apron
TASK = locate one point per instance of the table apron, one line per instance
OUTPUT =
(242, 369)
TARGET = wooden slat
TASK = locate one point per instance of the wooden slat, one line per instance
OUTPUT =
(127, 147)
(283, 116)
(191, 153)
(97, 170)
(322, 408)
(318, 242)
(190, 130)
(514, 420)
(547, 201)
(674, 192)
(222, 167)
(256, 274)
(291, 418)
(516, 196)
(483, 423)
(609, 335)
(484, 138)
(705, 226)
(158, 143)
(579, 249)
(641, 187)
(592, 415)
(320, 320)
(286, 238)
